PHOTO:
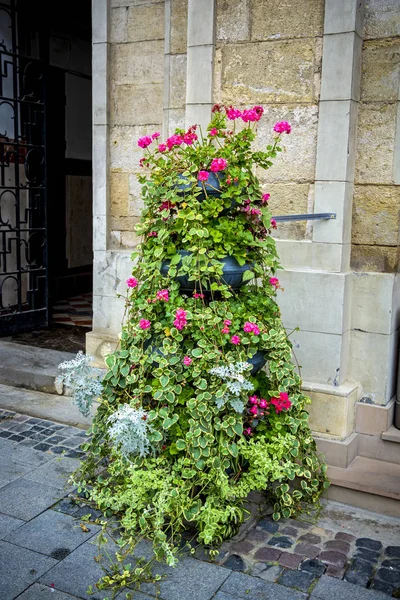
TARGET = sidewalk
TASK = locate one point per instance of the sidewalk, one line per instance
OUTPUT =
(45, 553)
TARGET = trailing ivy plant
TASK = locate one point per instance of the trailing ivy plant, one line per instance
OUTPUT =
(186, 427)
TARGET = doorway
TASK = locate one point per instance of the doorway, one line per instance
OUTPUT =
(45, 169)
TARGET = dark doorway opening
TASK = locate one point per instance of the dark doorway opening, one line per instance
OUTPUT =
(45, 168)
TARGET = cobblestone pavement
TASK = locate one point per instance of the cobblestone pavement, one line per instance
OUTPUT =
(46, 553)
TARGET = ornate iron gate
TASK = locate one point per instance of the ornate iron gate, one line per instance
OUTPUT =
(23, 239)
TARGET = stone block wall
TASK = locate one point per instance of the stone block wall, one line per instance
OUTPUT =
(376, 205)
(136, 90)
(270, 54)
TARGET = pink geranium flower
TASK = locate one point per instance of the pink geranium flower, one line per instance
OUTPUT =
(144, 141)
(250, 115)
(155, 135)
(197, 295)
(189, 138)
(132, 282)
(274, 281)
(227, 322)
(265, 198)
(253, 400)
(144, 324)
(251, 328)
(282, 127)
(187, 361)
(174, 140)
(180, 319)
(162, 147)
(218, 164)
(273, 224)
(213, 132)
(203, 175)
(235, 339)
(233, 113)
(253, 410)
(163, 295)
(281, 403)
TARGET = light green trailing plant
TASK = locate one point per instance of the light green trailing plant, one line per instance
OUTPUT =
(83, 380)
(184, 429)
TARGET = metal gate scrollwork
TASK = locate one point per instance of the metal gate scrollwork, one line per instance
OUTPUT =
(23, 248)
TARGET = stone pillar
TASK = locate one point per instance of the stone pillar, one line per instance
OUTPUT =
(318, 281)
(200, 60)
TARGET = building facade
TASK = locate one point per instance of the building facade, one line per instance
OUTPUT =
(332, 69)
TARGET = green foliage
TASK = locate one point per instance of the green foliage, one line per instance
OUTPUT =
(207, 454)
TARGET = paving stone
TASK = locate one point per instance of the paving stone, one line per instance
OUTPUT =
(51, 531)
(359, 572)
(42, 447)
(337, 572)
(389, 575)
(393, 563)
(73, 442)
(33, 421)
(55, 439)
(270, 573)
(310, 538)
(307, 550)
(328, 588)
(289, 531)
(16, 438)
(338, 545)
(300, 580)
(268, 525)
(5, 434)
(383, 587)
(56, 427)
(38, 429)
(78, 570)
(88, 510)
(240, 585)
(368, 544)
(268, 554)
(256, 535)
(314, 566)
(75, 454)
(368, 555)
(28, 443)
(25, 499)
(242, 547)
(17, 427)
(291, 561)
(346, 537)
(8, 524)
(38, 591)
(20, 568)
(235, 563)
(281, 542)
(11, 470)
(60, 450)
(393, 551)
(55, 473)
(190, 579)
(26, 455)
(332, 557)
(39, 437)
(20, 418)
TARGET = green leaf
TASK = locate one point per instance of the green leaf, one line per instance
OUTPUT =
(238, 427)
(164, 380)
(233, 449)
(247, 275)
(167, 423)
(197, 352)
(180, 444)
(202, 385)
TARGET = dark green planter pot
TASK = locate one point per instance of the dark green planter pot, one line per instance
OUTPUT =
(257, 361)
(212, 187)
(232, 274)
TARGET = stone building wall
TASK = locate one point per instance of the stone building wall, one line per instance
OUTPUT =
(270, 54)
(376, 205)
(136, 88)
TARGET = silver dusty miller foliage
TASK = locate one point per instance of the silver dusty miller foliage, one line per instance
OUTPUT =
(236, 383)
(84, 381)
(129, 430)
